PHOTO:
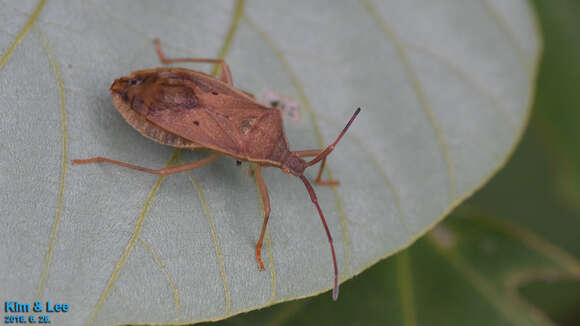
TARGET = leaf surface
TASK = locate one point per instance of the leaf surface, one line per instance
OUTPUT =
(444, 87)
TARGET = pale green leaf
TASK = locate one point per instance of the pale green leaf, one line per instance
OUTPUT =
(444, 87)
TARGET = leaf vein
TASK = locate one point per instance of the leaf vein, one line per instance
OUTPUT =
(533, 241)
(130, 244)
(22, 33)
(215, 242)
(165, 271)
(416, 84)
(480, 283)
(472, 82)
(64, 148)
(495, 14)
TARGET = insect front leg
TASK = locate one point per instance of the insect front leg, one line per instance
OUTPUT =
(266, 203)
(164, 171)
(226, 75)
(318, 180)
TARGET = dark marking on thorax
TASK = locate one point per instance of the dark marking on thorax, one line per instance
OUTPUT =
(170, 96)
(161, 95)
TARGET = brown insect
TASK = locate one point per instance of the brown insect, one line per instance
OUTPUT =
(189, 109)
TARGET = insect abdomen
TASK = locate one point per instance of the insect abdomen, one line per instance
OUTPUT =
(149, 129)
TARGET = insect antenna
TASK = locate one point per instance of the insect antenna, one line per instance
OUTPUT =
(315, 201)
(331, 146)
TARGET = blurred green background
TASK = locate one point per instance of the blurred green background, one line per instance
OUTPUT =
(507, 256)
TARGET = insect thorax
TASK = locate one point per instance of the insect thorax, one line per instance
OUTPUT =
(294, 164)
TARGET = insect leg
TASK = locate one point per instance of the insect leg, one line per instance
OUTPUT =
(318, 180)
(226, 75)
(164, 171)
(266, 203)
